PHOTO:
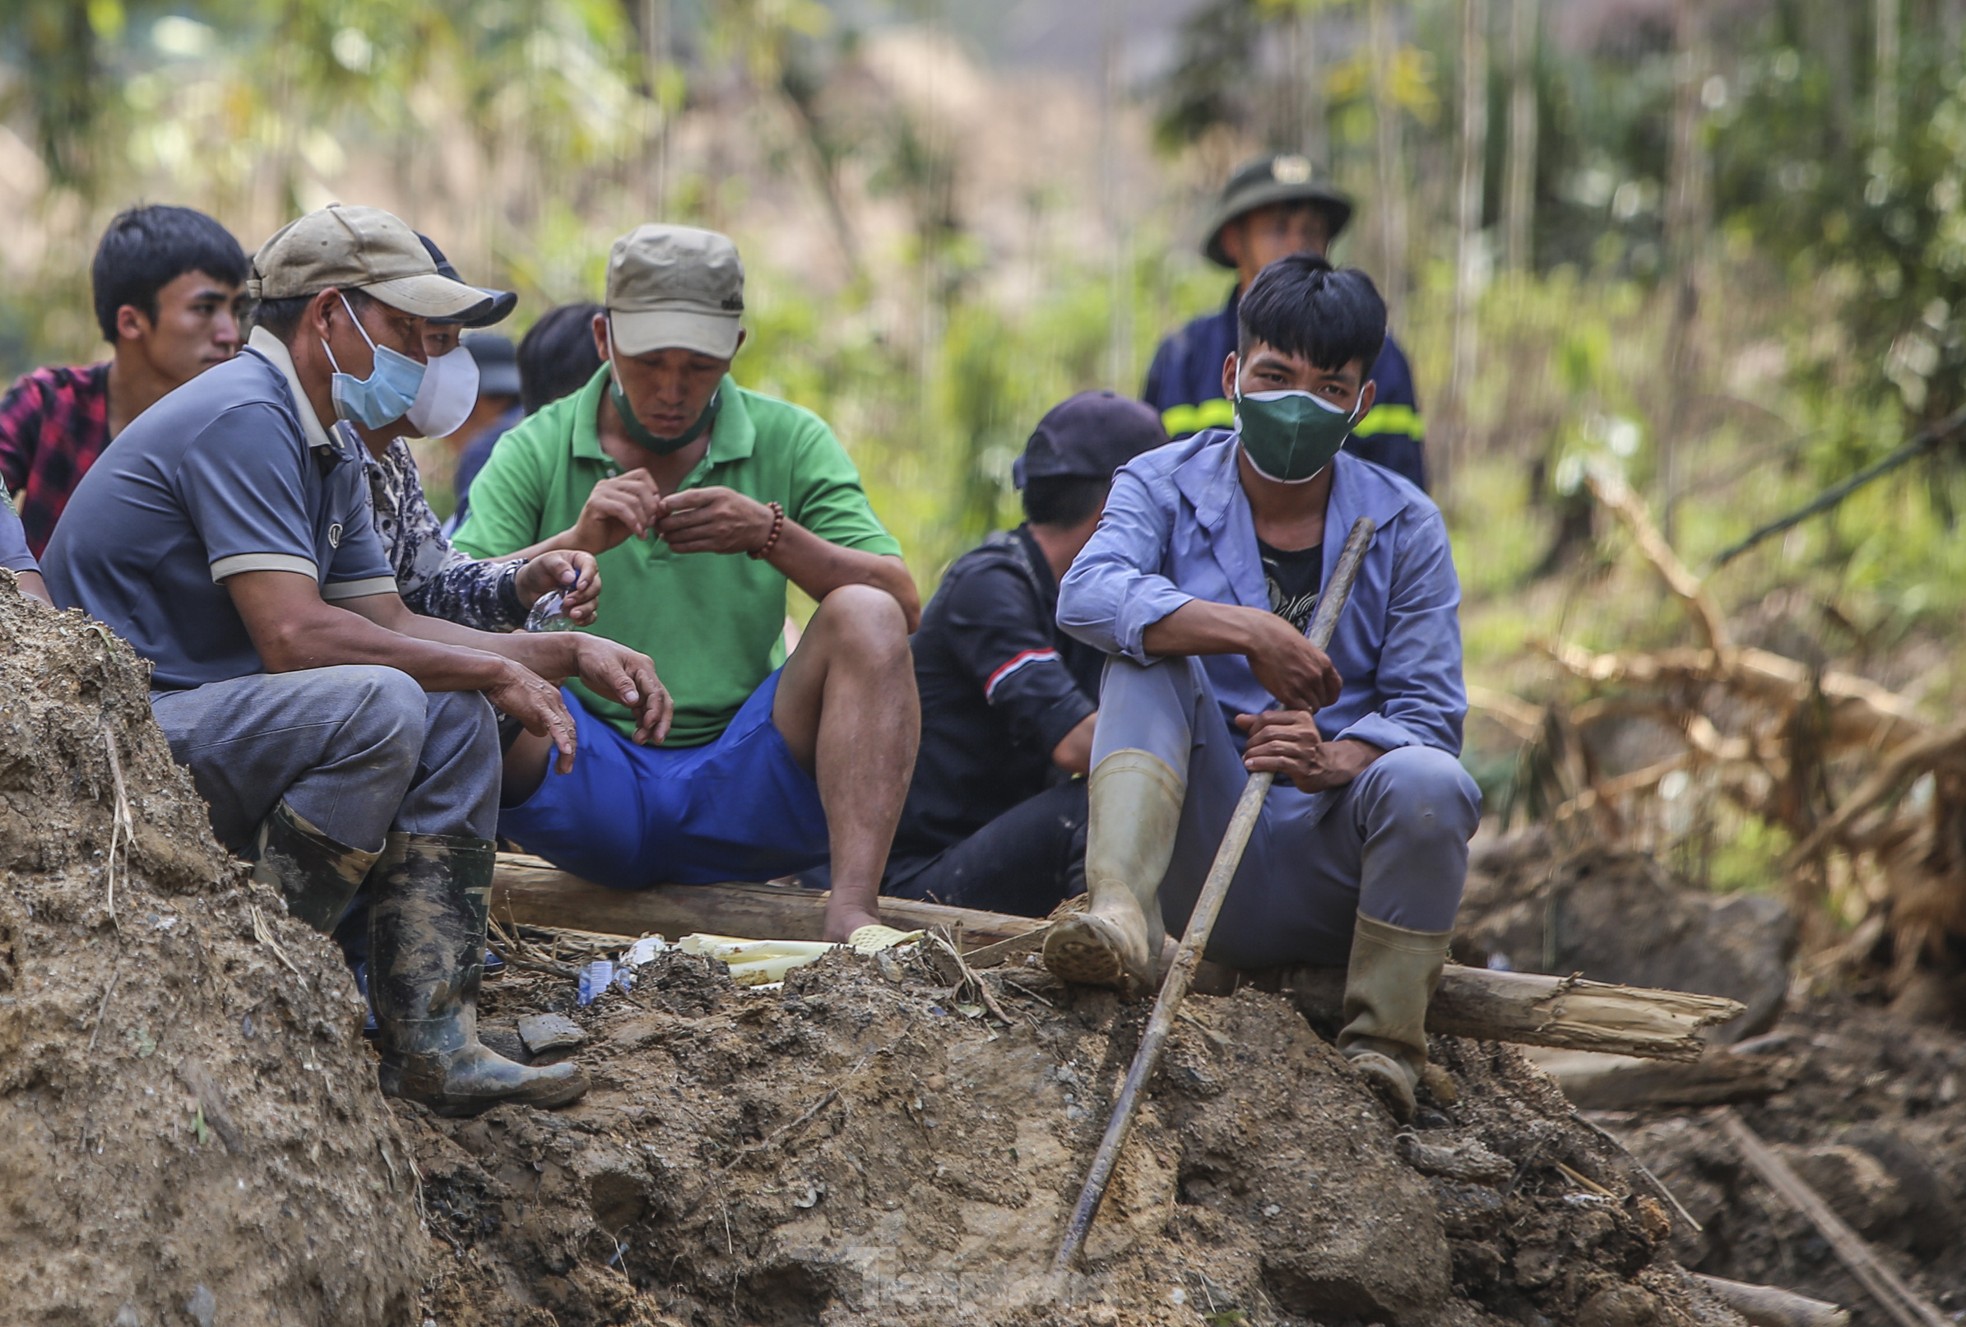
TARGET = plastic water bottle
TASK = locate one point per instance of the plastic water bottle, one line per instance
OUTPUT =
(549, 614)
(595, 977)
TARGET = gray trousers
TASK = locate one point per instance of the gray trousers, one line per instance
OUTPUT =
(358, 750)
(1393, 844)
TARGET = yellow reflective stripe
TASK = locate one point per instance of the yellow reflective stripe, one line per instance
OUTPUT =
(1382, 420)
(1180, 419)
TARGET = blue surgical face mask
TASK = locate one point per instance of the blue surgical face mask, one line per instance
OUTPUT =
(383, 397)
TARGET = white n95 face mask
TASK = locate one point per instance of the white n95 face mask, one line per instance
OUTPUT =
(446, 395)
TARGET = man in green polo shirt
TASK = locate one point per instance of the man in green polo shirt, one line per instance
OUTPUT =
(702, 501)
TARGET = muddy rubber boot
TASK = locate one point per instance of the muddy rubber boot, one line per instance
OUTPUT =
(1391, 977)
(431, 897)
(1135, 804)
(317, 876)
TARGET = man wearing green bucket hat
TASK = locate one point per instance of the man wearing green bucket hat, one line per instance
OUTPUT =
(1272, 206)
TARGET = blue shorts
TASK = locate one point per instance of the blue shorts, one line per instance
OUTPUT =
(631, 816)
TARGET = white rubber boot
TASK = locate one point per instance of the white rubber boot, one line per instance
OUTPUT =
(1135, 805)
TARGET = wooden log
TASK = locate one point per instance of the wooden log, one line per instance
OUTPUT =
(533, 892)
(1621, 1082)
(1568, 1013)
(1905, 1305)
(1564, 1012)
(1765, 1306)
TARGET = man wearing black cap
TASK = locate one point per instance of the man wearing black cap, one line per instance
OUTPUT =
(1273, 206)
(995, 816)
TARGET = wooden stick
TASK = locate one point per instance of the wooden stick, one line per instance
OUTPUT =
(1903, 1303)
(1174, 987)
(1765, 1306)
(1609, 487)
(1925, 440)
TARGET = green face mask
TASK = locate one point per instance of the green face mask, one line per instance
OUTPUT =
(638, 432)
(1290, 436)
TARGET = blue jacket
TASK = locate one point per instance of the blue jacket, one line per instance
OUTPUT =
(1185, 385)
(1177, 527)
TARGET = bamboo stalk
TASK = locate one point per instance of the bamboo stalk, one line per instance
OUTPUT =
(1201, 923)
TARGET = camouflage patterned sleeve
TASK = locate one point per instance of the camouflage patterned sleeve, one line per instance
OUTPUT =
(434, 578)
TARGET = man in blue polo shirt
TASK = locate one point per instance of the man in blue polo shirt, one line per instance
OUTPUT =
(338, 737)
(1270, 207)
(1199, 584)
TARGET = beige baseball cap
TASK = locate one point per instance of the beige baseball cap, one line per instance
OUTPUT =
(675, 288)
(359, 248)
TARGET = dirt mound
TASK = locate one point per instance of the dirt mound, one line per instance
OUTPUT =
(877, 1148)
(1875, 1121)
(1622, 917)
(193, 1132)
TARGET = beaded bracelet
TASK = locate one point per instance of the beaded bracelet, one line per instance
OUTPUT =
(777, 527)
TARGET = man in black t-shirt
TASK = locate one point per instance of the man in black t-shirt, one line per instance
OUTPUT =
(995, 816)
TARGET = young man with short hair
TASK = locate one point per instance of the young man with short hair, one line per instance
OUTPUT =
(339, 738)
(1272, 206)
(1199, 584)
(703, 502)
(995, 817)
(167, 290)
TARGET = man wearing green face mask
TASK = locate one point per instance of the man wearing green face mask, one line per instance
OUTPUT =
(702, 502)
(1198, 585)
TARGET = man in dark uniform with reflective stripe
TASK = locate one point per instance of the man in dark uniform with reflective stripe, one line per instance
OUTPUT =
(995, 816)
(1271, 207)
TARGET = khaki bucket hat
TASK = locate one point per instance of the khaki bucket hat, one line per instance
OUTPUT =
(675, 288)
(365, 249)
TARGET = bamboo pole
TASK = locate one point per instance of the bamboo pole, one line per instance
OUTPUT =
(1201, 922)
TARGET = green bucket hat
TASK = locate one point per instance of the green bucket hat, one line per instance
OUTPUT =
(1282, 177)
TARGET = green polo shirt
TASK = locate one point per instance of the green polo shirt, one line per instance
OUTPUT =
(712, 622)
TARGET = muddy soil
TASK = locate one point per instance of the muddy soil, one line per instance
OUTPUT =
(195, 1136)
(1875, 1121)
(861, 1147)
(192, 1132)
(1873, 1108)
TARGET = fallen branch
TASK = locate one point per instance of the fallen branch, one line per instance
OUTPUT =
(528, 890)
(1861, 713)
(1904, 763)
(1609, 487)
(1925, 440)
(1565, 1012)
(1903, 1303)
(1600, 1082)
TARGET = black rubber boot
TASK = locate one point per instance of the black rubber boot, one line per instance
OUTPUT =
(430, 898)
(317, 876)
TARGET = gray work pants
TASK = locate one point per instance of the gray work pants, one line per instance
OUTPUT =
(358, 750)
(1392, 844)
